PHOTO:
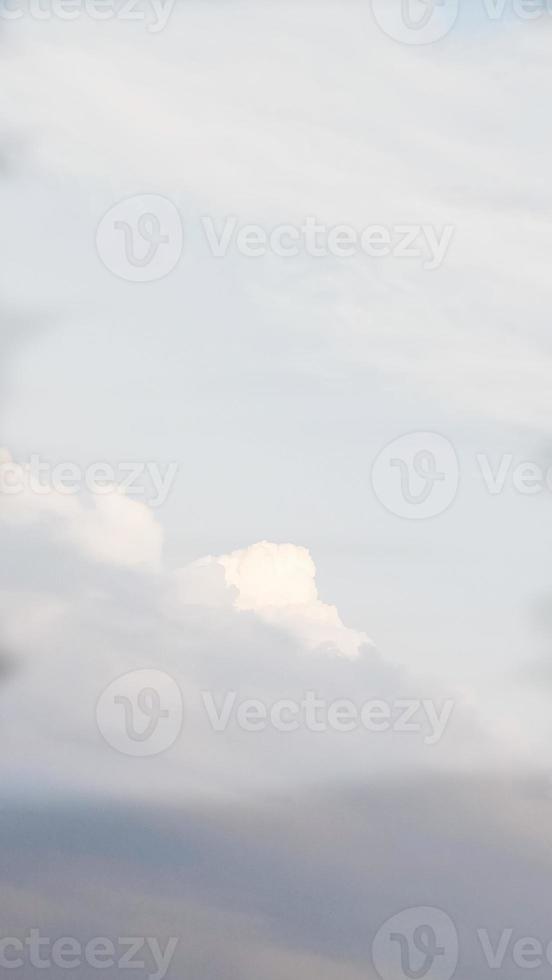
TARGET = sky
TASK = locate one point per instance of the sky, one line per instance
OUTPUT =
(278, 466)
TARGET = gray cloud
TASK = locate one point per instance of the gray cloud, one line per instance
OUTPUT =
(299, 883)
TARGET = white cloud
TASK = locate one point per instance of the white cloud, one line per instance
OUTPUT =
(397, 140)
(249, 622)
(277, 582)
(120, 531)
(108, 528)
(269, 575)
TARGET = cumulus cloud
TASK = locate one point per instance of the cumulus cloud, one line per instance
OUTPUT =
(277, 582)
(109, 528)
(274, 396)
(227, 629)
(269, 575)
(340, 342)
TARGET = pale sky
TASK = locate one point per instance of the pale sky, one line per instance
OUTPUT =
(274, 382)
(344, 464)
